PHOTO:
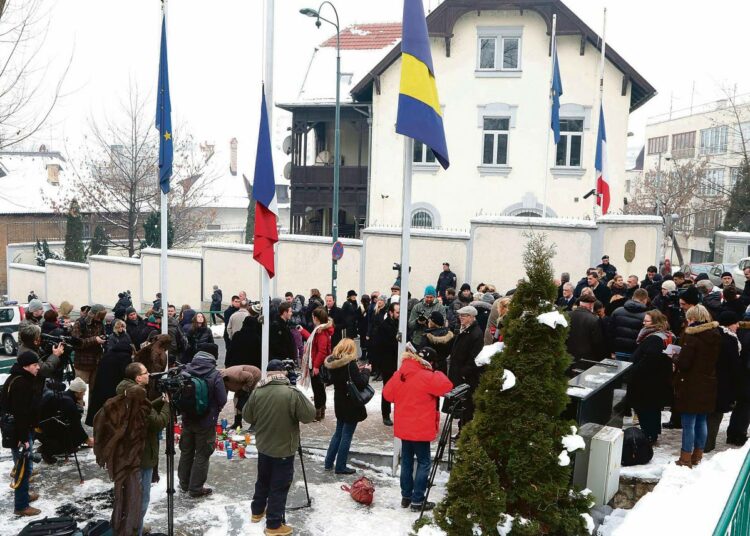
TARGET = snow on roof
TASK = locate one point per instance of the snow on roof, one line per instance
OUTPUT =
(24, 182)
(375, 36)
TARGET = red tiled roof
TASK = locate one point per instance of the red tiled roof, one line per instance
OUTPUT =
(367, 36)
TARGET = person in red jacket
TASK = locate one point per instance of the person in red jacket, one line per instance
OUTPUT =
(317, 348)
(414, 390)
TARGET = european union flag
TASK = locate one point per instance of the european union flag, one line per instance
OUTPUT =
(164, 115)
(557, 90)
(419, 113)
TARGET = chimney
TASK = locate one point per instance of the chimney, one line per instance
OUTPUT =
(233, 156)
(53, 174)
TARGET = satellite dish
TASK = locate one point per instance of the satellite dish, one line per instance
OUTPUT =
(286, 145)
(287, 170)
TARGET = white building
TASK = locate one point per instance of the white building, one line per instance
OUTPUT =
(492, 66)
(715, 135)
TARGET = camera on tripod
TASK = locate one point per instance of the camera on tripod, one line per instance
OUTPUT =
(455, 398)
(171, 382)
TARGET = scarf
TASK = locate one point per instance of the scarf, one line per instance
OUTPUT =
(271, 376)
(665, 336)
(307, 356)
(732, 334)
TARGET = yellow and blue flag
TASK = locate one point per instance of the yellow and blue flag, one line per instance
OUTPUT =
(419, 113)
(164, 115)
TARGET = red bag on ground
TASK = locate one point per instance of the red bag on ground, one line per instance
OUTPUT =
(361, 491)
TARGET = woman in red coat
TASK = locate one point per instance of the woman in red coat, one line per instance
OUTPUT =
(414, 390)
(317, 348)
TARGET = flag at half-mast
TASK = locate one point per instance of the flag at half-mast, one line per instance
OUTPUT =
(419, 113)
(557, 90)
(164, 115)
(264, 192)
(602, 173)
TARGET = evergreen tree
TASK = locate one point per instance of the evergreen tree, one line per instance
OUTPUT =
(519, 430)
(74, 250)
(41, 260)
(738, 214)
(99, 241)
(152, 231)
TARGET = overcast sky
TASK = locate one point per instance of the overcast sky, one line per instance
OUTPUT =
(215, 55)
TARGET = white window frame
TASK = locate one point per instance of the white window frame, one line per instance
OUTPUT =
(714, 140)
(499, 34)
(425, 151)
(568, 134)
(495, 135)
(713, 183)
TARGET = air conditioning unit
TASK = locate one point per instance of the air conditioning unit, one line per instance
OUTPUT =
(598, 467)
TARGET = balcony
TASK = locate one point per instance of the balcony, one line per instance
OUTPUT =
(321, 177)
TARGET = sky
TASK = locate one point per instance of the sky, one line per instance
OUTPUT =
(687, 50)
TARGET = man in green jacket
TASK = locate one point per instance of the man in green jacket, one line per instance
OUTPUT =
(157, 419)
(275, 409)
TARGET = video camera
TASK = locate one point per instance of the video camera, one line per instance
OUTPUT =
(455, 399)
(68, 341)
(171, 382)
(290, 371)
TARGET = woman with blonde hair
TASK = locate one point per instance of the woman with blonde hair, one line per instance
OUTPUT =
(493, 331)
(342, 364)
(695, 382)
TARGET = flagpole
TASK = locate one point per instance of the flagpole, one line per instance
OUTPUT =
(551, 80)
(164, 244)
(601, 97)
(405, 238)
(268, 85)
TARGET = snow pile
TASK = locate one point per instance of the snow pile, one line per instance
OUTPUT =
(488, 352)
(612, 522)
(579, 392)
(431, 530)
(573, 441)
(563, 458)
(509, 380)
(702, 491)
(589, 522)
(552, 319)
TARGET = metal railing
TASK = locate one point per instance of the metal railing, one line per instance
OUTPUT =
(735, 519)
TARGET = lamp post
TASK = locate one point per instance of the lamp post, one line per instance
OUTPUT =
(337, 136)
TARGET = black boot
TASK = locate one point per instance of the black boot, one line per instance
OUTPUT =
(237, 422)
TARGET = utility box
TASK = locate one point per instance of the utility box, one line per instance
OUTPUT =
(598, 467)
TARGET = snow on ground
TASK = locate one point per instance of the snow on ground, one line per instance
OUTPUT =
(686, 501)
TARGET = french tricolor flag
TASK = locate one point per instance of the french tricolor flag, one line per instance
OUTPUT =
(602, 174)
(264, 192)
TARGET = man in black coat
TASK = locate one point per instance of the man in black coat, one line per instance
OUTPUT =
(740, 419)
(334, 313)
(349, 315)
(233, 308)
(281, 344)
(601, 291)
(746, 289)
(246, 343)
(625, 325)
(446, 280)
(466, 347)
(652, 276)
(216, 299)
(609, 269)
(60, 421)
(567, 300)
(585, 338)
(385, 348)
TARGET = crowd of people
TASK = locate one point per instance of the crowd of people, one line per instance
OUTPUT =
(689, 343)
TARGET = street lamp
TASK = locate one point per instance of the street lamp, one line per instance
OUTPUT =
(337, 137)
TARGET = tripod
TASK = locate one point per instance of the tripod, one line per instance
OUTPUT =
(170, 452)
(73, 449)
(304, 477)
(455, 409)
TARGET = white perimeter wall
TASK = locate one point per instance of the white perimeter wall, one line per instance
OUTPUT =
(68, 281)
(111, 275)
(183, 273)
(24, 277)
(231, 266)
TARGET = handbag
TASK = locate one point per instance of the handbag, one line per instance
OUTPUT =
(359, 398)
(361, 491)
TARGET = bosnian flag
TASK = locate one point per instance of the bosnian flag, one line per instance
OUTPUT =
(264, 192)
(602, 174)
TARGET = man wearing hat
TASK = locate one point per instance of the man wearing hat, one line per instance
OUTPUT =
(90, 330)
(275, 409)
(60, 421)
(467, 344)
(446, 280)
(439, 338)
(349, 313)
(421, 312)
(35, 312)
(22, 395)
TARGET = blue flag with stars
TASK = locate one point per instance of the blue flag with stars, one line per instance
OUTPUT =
(164, 115)
(557, 90)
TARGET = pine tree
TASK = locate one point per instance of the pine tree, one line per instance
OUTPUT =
(738, 214)
(152, 231)
(41, 260)
(98, 244)
(520, 430)
(74, 250)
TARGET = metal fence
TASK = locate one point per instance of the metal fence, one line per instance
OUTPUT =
(735, 519)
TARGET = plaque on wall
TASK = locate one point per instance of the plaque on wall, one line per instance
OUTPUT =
(629, 250)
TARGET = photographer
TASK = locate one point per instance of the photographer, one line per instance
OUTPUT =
(123, 303)
(30, 340)
(275, 409)
(35, 311)
(60, 421)
(421, 313)
(198, 431)
(90, 330)
(21, 397)
(415, 389)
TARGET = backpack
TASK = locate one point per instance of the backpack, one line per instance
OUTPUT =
(636, 449)
(193, 400)
(361, 491)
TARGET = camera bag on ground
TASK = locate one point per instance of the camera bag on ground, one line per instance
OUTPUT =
(51, 526)
(636, 449)
(193, 400)
(7, 420)
(361, 491)
(99, 527)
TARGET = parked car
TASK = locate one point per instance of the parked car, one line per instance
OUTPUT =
(714, 274)
(11, 315)
(739, 272)
(694, 269)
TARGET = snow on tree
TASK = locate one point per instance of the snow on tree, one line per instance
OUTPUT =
(74, 250)
(516, 434)
(42, 252)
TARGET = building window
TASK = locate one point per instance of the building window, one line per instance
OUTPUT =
(735, 174)
(658, 145)
(499, 48)
(714, 140)
(708, 221)
(423, 154)
(713, 182)
(421, 218)
(495, 141)
(683, 145)
(569, 148)
(742, 138)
